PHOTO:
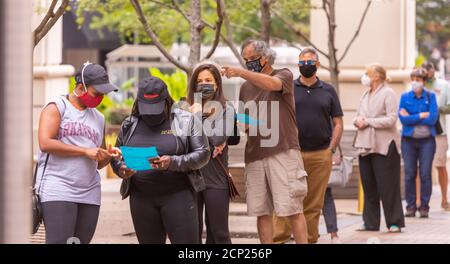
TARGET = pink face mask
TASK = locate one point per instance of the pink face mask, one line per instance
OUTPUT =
(90, 101)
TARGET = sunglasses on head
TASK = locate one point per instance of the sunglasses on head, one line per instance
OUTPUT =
(306, 62)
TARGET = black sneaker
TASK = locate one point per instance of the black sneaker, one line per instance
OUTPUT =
(423, 212)
(410, 212)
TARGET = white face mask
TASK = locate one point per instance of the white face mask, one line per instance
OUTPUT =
(416, 86)
(365, 80)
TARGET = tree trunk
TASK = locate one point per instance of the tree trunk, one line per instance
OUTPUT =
(196, 27)
(334, 75)
(334, 64)
(266, 20)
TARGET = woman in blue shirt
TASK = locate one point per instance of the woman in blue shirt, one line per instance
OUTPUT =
(418, 114)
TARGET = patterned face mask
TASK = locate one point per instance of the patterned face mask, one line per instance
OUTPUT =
(207, 90)
(255, 65)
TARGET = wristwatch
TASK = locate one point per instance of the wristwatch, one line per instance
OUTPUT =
(333, 150)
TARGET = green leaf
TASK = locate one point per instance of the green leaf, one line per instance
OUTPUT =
(127, 85)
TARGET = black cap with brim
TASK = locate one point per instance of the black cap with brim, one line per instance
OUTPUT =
(105, 88)
(95, 75)
(151, 109)
(152, 95)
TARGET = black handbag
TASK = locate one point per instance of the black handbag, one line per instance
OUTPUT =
(233, 191)
(36, 206)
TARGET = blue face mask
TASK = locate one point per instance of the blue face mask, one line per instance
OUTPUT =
(255, 65)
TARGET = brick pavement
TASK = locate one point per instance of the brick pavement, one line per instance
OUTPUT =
(115, 225)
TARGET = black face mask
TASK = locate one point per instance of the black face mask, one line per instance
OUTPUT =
(255, 65)
(308, 71)
(207, 90)
(153, 120)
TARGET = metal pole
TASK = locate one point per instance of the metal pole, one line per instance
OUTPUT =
(15, 120)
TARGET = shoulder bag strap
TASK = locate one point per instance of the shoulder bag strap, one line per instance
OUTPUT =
(227, 172)
(43, 173)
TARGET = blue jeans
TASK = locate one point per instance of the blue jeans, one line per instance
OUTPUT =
(329, 212)
(418, 151)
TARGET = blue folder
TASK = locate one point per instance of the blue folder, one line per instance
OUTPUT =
(136, 158)
(248, 120)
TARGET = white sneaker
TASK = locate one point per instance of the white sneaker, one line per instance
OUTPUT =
(336, 240)
(394, 229)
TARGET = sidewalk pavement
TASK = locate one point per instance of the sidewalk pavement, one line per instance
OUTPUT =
(115, 224)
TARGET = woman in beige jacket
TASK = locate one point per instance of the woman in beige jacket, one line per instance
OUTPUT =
(378, 143)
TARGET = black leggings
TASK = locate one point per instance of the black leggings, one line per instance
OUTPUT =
(64, 220)
(174, 215)
(216, 203)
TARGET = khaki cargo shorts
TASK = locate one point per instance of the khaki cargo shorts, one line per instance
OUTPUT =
(440, 157)
(276, 183)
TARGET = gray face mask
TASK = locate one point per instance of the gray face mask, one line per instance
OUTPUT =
(207, 90)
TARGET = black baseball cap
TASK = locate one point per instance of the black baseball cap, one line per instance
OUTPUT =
(152, 93)
(95, 75)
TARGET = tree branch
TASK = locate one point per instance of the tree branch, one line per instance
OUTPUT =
(162, 4)
(154, 38)
(47, 17)
(178, 8)
(207, 24)
(174, 6)
(249, 29)
(325, 67)
(218, 29)
(228, 38)
(233, 48)
(331, 25)
(329, 7)
(325, 9)
(298, 32)
(356, 32)
(286, 42)
(49, 20)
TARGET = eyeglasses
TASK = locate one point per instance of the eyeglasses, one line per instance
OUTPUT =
(306, 62)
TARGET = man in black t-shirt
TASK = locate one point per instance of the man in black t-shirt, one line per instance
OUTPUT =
(320, 126)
